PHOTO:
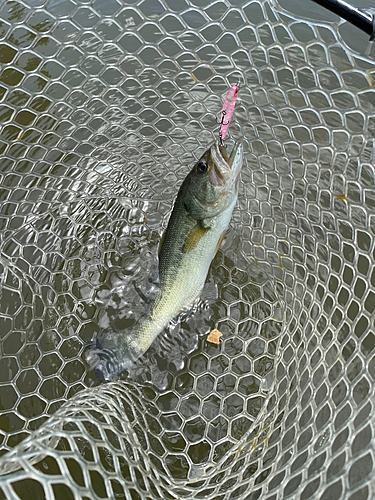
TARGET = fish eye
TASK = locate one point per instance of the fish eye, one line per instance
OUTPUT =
(202, 167)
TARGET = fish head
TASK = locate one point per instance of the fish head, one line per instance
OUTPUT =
(212, 185)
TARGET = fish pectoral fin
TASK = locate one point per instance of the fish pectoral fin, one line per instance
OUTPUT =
(219, 242)
(193, 238)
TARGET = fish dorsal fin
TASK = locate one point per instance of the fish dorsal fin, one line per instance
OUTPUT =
(193, 238)
(219, 242)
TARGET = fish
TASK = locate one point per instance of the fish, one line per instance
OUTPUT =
(196, 228)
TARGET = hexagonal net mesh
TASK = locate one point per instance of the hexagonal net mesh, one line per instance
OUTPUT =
(105, 105)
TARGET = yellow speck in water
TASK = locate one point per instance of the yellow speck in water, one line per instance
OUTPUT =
(214, 336)
(370, 77)
(254, 443)
(341, 197)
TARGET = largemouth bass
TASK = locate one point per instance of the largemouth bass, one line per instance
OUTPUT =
(196, 228)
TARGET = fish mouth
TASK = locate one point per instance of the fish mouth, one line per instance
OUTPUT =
(226, 168)
(236, 156)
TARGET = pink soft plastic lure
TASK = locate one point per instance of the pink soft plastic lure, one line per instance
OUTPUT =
(227, 111)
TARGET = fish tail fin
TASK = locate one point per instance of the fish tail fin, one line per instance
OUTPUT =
(109, 355)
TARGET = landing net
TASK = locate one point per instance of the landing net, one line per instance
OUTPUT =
(105, 106)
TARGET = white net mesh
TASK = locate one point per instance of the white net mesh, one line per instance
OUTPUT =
(104, 107)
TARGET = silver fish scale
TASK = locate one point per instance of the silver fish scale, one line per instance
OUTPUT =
(104, 107)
